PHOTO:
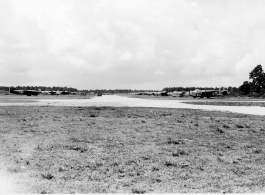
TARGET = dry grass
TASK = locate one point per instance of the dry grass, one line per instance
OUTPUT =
(133, 150)
(222, 103)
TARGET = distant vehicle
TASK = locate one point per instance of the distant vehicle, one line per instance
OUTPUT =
(207, 93)
(99, 94)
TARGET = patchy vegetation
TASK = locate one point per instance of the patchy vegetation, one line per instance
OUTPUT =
(223, 103)
(132, 150)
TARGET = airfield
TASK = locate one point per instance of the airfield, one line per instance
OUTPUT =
(131, 144)
(244, 106)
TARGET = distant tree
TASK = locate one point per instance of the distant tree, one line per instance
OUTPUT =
(245, 88)
(230, 90)
(258, 79)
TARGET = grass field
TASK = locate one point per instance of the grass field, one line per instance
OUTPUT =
(131, 150)
(222, 103)
(213, 99)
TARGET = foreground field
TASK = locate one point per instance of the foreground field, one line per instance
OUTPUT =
(131, 150)
(12, 98)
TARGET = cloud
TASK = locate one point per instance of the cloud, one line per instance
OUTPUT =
(159, 72)
(75, 61)
(125, 56)
(74, 42)
(194, 4)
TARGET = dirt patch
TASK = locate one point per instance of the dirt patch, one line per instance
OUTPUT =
(131, 150)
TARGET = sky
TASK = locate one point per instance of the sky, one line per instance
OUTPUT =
(130, 44)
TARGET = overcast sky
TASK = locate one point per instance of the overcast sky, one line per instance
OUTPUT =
(132, 44)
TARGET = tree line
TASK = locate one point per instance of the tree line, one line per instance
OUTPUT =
(256, 86)
(171, 89)
(253, 88)
(115, 91)
(230, 90)
(70, 89)
(42, 88)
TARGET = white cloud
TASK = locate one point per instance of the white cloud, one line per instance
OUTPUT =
(211, 43)
(159, 72)
(194, 4)
(124, 55)
(199, 58)
(75, 61)
(2, 42)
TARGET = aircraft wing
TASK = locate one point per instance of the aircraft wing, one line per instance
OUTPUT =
(31, 92)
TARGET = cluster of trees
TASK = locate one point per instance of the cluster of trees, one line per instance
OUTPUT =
(115, 91)
(255, 87)
(42, 88)
(233, 91)
(70, 89)
(171, 89)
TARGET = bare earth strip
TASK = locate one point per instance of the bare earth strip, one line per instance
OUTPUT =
(104, 149)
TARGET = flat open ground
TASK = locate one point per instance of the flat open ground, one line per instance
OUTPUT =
(103, 149)
(219, 99)
(228, 103)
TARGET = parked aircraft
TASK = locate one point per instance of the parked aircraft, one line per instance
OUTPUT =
(163, 93)
(55, 92)
(224, 92)
(31, 92)
(16, 91)
(207, 93)
(45, 92)
(65, 93)
(26, 92)
(155, 93)
(178, 93)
